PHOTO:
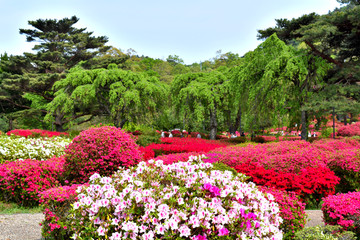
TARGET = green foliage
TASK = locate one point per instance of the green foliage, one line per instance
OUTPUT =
(324, 233)
(197, 96)
(119, 94)
(147, 137)
(27, 80)
(237, 140)
(326, 132)
(259, 139)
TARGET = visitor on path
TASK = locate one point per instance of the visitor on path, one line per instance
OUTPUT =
(198, 135)
(170, 135)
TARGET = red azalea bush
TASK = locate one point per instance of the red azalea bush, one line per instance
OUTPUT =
(176, 133)
(177, 157)
(349, 130)
(99, 150)
(56, 203)
(292, 211)
(343, 209)
(148, 153)
(22, 181)
(181, 145)
(293, 166)
(35, 132)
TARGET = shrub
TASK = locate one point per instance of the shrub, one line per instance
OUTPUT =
(349, 130)
(181, 145)
(181, 200)
(293, 166)
(147, 137)
(22, 181)
(259, 139)
(36, 133)
(100, 150)
(236, 140)
(12, 149)
(147, 153)
(56, 203)
(324, 233)
(343, 209)
(292, 211)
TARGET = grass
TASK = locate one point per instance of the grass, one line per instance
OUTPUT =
(13, 208)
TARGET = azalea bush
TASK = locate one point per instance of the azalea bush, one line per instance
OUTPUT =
(180, 200)
(292, 211)
(12, 149)
(349, 130)
(36, 133)
(99, 150)
(182, 145)
(343, 209)
(293, 166)
(56, 203)
(22, 181)
(344, 160)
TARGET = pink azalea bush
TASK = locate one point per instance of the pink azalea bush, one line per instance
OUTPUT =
(344, 160)
(292, 211)
(349, 130)
(22, 181)
(56, 203)
(343, 209)
(180, 200)
(99, 150)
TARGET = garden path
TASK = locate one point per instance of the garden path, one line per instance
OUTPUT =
(26, 226)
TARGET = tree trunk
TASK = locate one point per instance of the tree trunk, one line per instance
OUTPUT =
(10, 124)
(59, 125)
(238, 120)
(213, 124)
(304, 132)
(122, 123)
(345, 120)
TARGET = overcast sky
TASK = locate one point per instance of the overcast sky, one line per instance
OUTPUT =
(191, 29)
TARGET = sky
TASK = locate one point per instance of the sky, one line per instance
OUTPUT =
(192, 29)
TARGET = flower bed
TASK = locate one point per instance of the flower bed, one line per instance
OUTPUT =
(35, 133)
(344, 210)
(12, 149)
(293, 166)
(22, 181)
(182, 145)
(344, 160)
(181, 200)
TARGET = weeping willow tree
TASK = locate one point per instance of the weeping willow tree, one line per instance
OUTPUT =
(119, 94)
(276, 80)
(200, 96)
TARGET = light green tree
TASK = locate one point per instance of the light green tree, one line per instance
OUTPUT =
(121, 95)
(199, 96)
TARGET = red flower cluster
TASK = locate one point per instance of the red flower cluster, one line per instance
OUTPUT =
(344, 210)
(35, 133)
(99, 150)
(349, 130)
(292, 211)
(181, 145)
(293, 166)
(147, 153)
(22, 181)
